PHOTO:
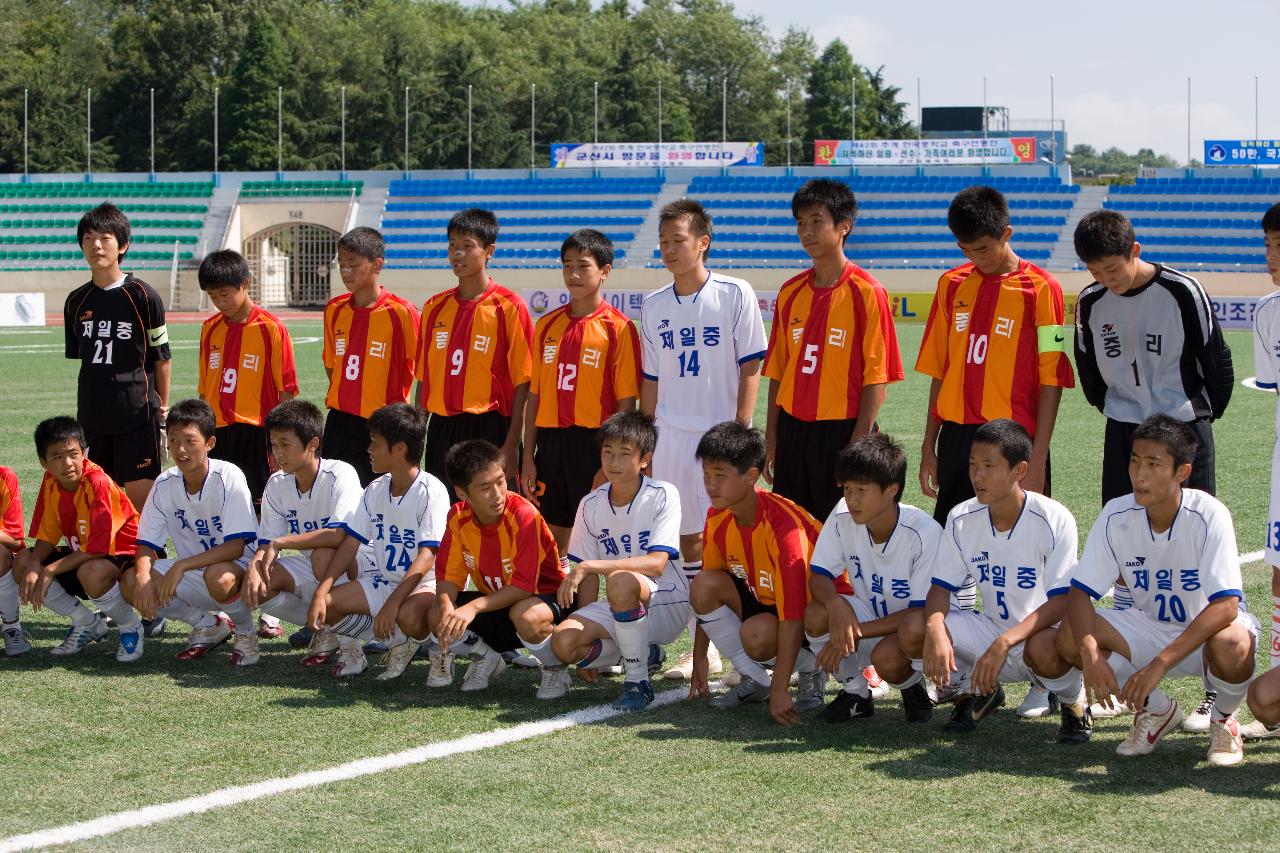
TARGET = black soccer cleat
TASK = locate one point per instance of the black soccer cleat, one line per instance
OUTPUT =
(916, 703)
(985, 706)
(845, 707)
(152, 628)
(1077, 723)
(961, 717)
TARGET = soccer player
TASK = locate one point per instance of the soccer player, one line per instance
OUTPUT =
(370, 337)
(78, 501)
(400, 522)
(751, 594)
(884, 550)
(1264, 702)
(1022, 547)
(245, 366)
(703, 342)
(204, 506)
(832, 352)
(627, 531)
(1175, 548)
(586, 366)
(304, 507)
(12, 541)
(496, 539)
(473, 361)
(115, 326)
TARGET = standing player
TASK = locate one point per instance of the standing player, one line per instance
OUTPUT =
(586, 366)
(473, 361)
(832, 352)
(703, 340)
(370, 337)
(115, 326)
(12, 541)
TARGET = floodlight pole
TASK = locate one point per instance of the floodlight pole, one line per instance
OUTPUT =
(659, 118)
(1188, 121)
(279, 129)
(26, 94)
(533, 124)
(469, 127)
(919, 114)
(1053, 122)
(343, 155)
(724, 111)
(853, 106)
(153, 130)
(1256, 135)
(788, 124)
(595, 121)
(88, 131)
(215, 130)
(406, 131)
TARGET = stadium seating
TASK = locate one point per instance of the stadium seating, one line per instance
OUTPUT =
(271, 189)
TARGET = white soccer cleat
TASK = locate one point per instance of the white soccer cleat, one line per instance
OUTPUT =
(269, 627)
(80, 636)
(441, 672)
(244, 652)
(1226, 746)
(351, 662)
(1118, 709)
(1039, 702)
(204, 640)
(1198, 720)
(1258, 731)
(555, 682)
(130, 648)
(683, 670)
(397, 660)
(324, 644)
(1148, 729)
(879, 687)
(16, 643)
(482, 671)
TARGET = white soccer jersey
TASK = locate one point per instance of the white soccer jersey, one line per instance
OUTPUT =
(394, 528)
(332, 501)
(651, 522)
(694, 345)
(220, 511)
(1017, 570)
(1266, 345)
(1172, 575)
(889, 577)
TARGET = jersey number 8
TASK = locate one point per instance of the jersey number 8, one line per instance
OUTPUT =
(352, 370)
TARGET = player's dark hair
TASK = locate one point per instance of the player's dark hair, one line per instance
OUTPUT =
(194, 412)
(223, 268)
(629, 428)
(1271, 219)
(835, 196)
(1177, 437)
(1010, 436)
(874, 458)
(106, 218)
(731, 442)
(364, 241)
(401, 422)
(687, 208)
(303, 418)
(977, 212)
(1104, 234)
(467, 459)
(57, 430)
(474, 222)
(589, 241)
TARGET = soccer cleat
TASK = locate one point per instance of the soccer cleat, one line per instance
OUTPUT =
(153, 628)
(1077, 723)
(323, 644)
(746, 691)
(657, 657)
(683, 670)
(269, 627)
(202, 640)
(1258, 731)
(244, 650)
(1226, 746)
(397, 660)
(80, 636)
(1039, 702)
(961, 717)
(482, 671)
(300, 638)
(441, 672)
(916, 703)
(555, 682)
(1117, 709)
(968, 712)
(948, 695)
(376, 647)
(985, 706)
(636, 696)
(520, 660)
(1148, 728)
(879, 688)
(130, 648)
(1198, 720)
(731, 678)
(811, 690)
(16, 643)
(845, 707)
(351, 662)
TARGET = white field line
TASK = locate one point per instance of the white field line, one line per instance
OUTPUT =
(1252, 557)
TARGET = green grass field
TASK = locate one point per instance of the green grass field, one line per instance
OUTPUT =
(87, 737)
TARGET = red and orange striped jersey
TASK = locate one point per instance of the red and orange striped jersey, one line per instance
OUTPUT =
(96, 518)
(993, 341)
(10, 505)
(369, 352)
(582, 366)
(828, 343)
(244, 366)
(516, 550)
(772, 555)
(472, 353)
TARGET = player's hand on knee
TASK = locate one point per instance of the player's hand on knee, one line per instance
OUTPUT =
(317, 612)
(254, 589)
(384, 624)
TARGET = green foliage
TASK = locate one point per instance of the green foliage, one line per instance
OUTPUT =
(1087, 162)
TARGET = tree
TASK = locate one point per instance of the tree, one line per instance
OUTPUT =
(251, 97)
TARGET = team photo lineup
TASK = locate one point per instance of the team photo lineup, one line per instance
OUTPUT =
(576, 495)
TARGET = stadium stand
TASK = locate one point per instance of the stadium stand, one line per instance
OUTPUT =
(283, 188)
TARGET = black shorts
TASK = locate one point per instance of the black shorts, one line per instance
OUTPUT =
(128, 456)
(249, 449)
(804, 464)
(70, 581)
(954, 485)
(751, 605)
(495, 626)
(444, 431)
(567, 460)
(346, 437)
(1118, 444)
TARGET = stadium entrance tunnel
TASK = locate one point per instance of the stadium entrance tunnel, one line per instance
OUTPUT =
(292, 263)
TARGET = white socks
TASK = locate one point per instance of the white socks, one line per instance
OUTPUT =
(288, 607)
(542, 651)
(64, 603)
(1230, 696)
(9, 599)
(724, 628)
(633, 642)
(113, 604)
(1069, 687)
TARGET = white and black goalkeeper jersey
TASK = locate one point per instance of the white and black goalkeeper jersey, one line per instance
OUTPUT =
(1155, 350)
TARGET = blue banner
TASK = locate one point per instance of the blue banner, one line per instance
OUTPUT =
(1242, 152)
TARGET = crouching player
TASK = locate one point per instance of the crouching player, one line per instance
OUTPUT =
(496, 538)
(1175, 548)
(12, 541)
(751, 596)
(885, 550)
(627, 530)
(400, 521)
(1022, 547)
(305, 506)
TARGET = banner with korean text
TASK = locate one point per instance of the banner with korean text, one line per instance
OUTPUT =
(924, 152)
(608, 155)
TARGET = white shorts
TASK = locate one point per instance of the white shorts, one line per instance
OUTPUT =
(669, 609)
(1147, 637)
(365, 565)
(1273, 512)
(191, 588)
(972, 634)
(377, 590)
(304, 577)
(675, 461)
(860, 657)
